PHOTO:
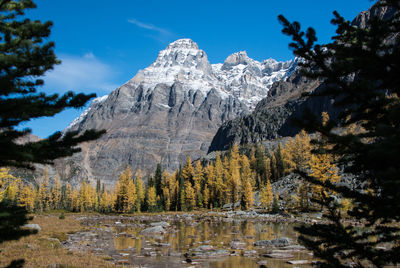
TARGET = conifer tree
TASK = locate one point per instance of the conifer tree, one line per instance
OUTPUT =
(283, 161)
(131, 196)
(247, 178)
(260, 166)
(303, 200)
(275, 204)
(274, 167)
(233, 176)
(220, 187)
(83, 197)
(6, 180)
(140, 191)
(56, 193)
(75, 202)
(268, 168)
(43, 195)
(234, 182)
(27, 197)
(190, 196)
(253, 160)
(182, 199)
(248, 195)
(210, 194)
(68, 197)
(151, 198)
(106, 202)
(198, 180)
(188, 170)
(360, 71)
(266, 195)
(165, 186)
(206, 196)
(12, 191)
(174, 191)
(124, 191)
(157, 179)
(325, 172)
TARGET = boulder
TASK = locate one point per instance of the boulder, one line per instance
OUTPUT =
(153, 230)
(278, 242)
(204, 248)
(237, 245)
(33, 226)
(161, 223)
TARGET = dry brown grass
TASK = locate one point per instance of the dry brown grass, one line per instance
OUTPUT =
(39, 251)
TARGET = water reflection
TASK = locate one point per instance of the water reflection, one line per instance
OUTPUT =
(184, 236)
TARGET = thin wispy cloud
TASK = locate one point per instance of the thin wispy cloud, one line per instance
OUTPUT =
(81, 73)
(161, 34)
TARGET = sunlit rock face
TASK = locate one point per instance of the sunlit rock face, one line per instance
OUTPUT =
(168, 111)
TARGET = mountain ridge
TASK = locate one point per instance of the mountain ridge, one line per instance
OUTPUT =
(168, 111)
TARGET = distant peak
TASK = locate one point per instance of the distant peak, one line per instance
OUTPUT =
(236, 59)
(185, 43)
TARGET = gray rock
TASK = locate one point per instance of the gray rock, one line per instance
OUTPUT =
(217, 253)
(204, 248)
(153, 230)
(161, 223)
(33, 226)
(250, 253)
(150, 254)
(237, 245)
(298, 262)
(278, 242)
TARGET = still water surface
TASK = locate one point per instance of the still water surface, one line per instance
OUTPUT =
(186, 237)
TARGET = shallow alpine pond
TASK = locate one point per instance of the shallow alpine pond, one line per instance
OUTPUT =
(184, 240)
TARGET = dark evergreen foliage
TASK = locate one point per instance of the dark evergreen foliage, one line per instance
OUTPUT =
(157, 179)
(361, 72)
(12, 217)
(25, 56)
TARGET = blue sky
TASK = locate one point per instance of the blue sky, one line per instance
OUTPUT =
(102, 44)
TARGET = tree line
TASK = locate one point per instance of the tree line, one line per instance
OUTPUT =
(232, 178)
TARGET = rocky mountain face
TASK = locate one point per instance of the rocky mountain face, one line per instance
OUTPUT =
(168, 111)
(273, 116)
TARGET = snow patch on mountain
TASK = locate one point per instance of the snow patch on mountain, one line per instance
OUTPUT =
(82, 116)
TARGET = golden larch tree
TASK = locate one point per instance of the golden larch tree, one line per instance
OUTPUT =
(247, 183)
(27, 197)
(190, 197)
(56, 193)
(266, 195)
(198, 180)
(151, 198)
(140, 190)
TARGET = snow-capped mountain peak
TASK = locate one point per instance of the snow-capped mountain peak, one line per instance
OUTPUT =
(185, 43)
(239, 76)
(183, 53)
